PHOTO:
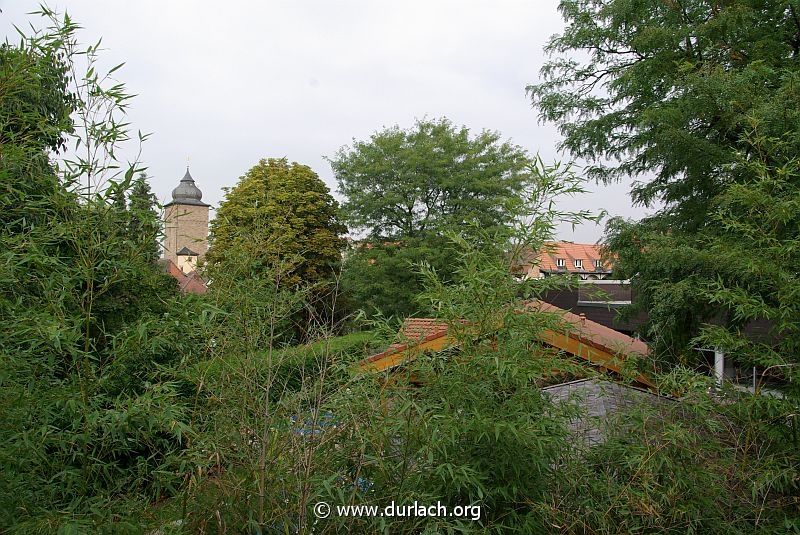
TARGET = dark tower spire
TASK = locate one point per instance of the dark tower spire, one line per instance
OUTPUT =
(187, 192)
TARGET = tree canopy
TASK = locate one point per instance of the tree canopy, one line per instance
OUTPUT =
(433, 176)
(733, 284)
(406, 188)
(665, 90)
(91, 332)
(284, 214)
(144, 222)
(700, 101)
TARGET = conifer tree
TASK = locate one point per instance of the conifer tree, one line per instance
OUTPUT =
(144, 223)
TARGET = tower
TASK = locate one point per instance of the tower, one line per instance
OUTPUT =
(186, 225)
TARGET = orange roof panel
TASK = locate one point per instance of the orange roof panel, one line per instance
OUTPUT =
(582, 337)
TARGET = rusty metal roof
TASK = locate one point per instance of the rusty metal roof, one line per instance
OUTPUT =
(593, 332)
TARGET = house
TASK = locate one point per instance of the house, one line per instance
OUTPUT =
(599, 399)
(559, 258)
(600, 301)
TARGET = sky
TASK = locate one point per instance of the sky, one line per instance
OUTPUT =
(223, 84)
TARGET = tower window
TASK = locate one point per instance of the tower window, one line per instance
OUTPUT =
(560, 262)
(578, 263)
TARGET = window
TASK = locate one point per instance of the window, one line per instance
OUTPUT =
(598, 264)
(560, 262)
(578, 263)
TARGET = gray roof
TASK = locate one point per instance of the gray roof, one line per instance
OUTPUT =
(185, 251)
(599, 401)
(187, 192)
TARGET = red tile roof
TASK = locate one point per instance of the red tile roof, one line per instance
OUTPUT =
(187, 284)
(569, 252)
(416, 330)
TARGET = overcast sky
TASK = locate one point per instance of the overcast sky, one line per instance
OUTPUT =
(228, 83)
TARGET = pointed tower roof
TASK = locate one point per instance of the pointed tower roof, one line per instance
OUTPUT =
(187, 192)
(185, 251)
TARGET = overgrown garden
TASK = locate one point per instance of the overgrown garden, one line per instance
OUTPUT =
(129, 408)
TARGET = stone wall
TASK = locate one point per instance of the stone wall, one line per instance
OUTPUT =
(185, 225)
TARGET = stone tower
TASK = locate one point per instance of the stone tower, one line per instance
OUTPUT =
(186, 225)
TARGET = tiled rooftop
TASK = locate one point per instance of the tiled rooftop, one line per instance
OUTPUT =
(568, 252)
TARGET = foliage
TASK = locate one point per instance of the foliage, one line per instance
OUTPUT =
(406, 189)
(688, 466)
(380, 279)
(667, 89)
(409, 183)
(96, 418)
(35, 113)
(471, 427)
(733, 285)
(757, 240)
(280, 213)
(129, 409)
(699, 99)
(35, 109)
(691, 96)
(302, 425)
(254, 399)
(144, 225)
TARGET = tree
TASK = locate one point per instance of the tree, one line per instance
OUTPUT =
(705, 289)
(380, 276)
(91, 333)
(666, 91)
(35, 110)
(405, 189)
(144, 223)
(670, 91)
(281, 213)
(411, 183)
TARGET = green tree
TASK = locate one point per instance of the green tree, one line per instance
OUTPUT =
(144, 223)
(410, 183)
(405, 189)
(705, 289)
(35, 109)
(665, 90)
(669, 92)
(280, 213)
(379, 277)
(91, 334)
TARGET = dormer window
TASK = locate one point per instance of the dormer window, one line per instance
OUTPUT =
(560, 262)
(598, 264)
(578, 263)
